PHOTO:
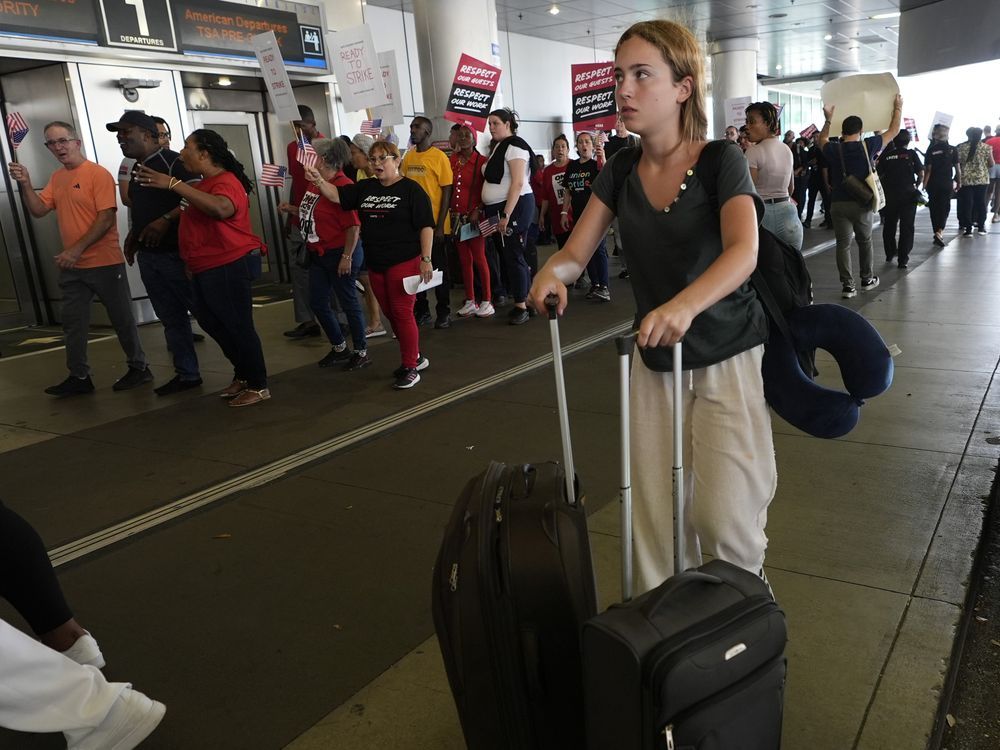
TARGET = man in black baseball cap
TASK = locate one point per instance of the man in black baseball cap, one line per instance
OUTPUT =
(153, 239)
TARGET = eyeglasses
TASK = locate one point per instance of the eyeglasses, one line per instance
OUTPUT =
(379, 159)
(164, 135)
(61, 142)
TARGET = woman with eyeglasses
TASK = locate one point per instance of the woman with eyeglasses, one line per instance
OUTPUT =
(216, 240)
(397, 228)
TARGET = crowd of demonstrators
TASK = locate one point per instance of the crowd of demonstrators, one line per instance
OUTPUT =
(397, 229)
(976, 160)
(942, 177)
(335, 257)
(578, 180)
(466, 209)
(993, 193)
(900, 171)
(689, 269)
(428, 166)
(152, 240)
(853, 156)
(91, 264)
(507, 197)
(771, 165)
(217, 244)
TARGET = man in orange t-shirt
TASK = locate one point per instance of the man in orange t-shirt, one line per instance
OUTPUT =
(83, 195)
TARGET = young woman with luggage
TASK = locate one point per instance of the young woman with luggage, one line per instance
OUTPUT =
(690, 258)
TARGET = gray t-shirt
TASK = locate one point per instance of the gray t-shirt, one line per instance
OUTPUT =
(666, 251)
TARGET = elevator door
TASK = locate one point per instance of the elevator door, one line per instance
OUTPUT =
(242, 133)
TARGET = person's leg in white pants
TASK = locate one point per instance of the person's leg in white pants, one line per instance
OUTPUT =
(729, 475)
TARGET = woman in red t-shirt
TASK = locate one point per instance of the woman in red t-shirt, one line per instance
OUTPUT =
(336, 256)
(553, 190)
(466, 209)
(215, 242)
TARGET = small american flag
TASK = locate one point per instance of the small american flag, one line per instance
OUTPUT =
(17, 128)
(306, 155)
(273, 175)
(371, 127)
(489, 225)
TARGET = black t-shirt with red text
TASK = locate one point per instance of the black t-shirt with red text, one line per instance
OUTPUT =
(391, 219)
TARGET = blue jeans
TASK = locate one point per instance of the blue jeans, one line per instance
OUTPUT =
(223, 305)
(323, 278)
(169, 291)
(597, 266)
(782, 220)
(511, 247)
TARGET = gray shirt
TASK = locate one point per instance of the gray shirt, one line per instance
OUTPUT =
(667, 250)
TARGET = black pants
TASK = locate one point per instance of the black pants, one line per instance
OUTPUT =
(27, 580)
(972, 206)
(903, 214)
(442, 292)
(816, 187)
(939, 205)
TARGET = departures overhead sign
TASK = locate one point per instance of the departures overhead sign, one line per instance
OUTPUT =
(139, 24)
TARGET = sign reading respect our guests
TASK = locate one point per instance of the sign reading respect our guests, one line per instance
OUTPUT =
(594, 105)
(472, 92)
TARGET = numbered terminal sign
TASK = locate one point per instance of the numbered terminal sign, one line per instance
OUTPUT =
(139, 24)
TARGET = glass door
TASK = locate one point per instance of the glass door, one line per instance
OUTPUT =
(242, 132)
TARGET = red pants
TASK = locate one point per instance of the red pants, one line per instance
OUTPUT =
(473, 253)
(398, 306)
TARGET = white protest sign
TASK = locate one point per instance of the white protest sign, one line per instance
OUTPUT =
(391, 113)
(868, 96)
(356, 66)
(940, 118)
(279, 88)
(736, 111)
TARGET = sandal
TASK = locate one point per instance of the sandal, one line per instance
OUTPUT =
(234, 389)
(374, 333)
(249, 397)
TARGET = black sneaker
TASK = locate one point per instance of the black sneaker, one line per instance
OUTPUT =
(591, 293)
(176, 386)
(71, 386)
(938, 241)
(357, 362)
(848, 291)
(624, 274)
(869, 284)
(500, 300)
(520, 317)
(303, 330)
(407, 379)
(443, 321)
(902, 266)
(335, 357)
(133, 379)
(424, 318)
(602, 293)
(422, 364)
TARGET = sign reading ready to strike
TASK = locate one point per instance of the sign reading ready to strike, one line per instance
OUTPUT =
(472, 93)
(279, 88)
(594, 105)
(355, 64)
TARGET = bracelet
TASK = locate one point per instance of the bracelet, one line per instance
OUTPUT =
(317, 183)
(425, 260)
(167, 218)
(173, 183)
(345, 257)
(564, 213)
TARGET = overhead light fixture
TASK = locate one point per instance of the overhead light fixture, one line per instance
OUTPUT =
(554, 10)
(778, 15)
(828, 37)
(883, 16)
(778, 66)
(224, 81)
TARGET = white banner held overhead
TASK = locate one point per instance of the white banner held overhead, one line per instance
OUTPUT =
(279, 88)
(870, 96)
(355, 64)
(391, 113)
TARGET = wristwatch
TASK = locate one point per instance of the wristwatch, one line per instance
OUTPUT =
(503, 214)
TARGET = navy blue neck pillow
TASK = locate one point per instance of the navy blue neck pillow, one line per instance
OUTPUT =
(861, 354)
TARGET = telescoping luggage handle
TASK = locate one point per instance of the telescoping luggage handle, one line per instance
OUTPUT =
(551, 303)
(625, 345)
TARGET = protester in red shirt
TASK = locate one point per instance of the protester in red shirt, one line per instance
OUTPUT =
(553, 190)
(993, 191)
(466, 209)
(331, 234)
(215, 242)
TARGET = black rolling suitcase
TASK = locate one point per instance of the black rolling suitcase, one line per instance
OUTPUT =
(695, 664)
(513, 584)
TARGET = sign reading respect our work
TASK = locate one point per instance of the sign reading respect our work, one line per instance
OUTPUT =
(594, 105)
(279, 88)
(472, 92)
(355, 63)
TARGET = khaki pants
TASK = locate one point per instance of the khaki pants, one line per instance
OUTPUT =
(729, 470)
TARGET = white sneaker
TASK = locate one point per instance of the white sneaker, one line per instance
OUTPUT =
(469, 308)
(86, 652)
(485, 309)
(132, 718)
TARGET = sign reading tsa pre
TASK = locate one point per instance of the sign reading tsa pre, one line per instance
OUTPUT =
(355, 64)
(391, 113)
(139, 24)
(594, 106)
(279, 88)
(472, 92)
(221, 28)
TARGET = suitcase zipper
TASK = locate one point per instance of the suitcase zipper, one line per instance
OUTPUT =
(668, 734)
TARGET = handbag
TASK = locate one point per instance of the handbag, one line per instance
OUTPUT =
(858, 189)
(873, 183)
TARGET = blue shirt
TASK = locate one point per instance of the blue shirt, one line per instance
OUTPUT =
(854, 160)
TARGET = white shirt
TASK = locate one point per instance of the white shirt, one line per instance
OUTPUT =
(773, 161)
(498, 193)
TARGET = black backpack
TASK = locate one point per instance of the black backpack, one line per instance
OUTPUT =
(781, 279)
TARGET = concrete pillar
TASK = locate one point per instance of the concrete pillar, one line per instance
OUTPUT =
(734, 74)
(446, 29)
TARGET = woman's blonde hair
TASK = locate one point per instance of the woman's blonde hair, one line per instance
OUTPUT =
(385, 147)
(681, 51)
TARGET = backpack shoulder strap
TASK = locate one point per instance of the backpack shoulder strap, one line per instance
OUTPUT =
(622, 164)
(708, 168)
